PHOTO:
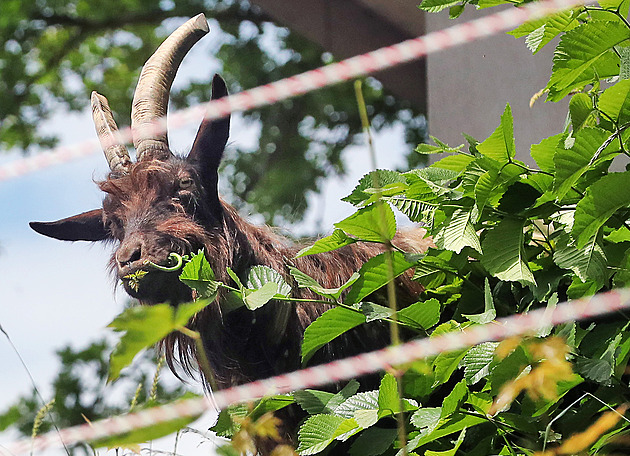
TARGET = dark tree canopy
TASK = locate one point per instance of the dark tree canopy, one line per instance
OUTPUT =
(56, 52)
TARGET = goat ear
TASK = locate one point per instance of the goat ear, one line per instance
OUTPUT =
(87, 226)
(212, 136)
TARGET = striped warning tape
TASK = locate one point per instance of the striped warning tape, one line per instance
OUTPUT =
(336, 371)
(351, 68)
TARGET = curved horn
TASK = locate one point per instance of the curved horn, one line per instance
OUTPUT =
(106, 129)
(150, 100)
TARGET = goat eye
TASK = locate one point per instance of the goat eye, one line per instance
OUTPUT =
(186, 183)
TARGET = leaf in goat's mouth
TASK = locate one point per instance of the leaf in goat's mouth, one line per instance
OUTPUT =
(133, 279)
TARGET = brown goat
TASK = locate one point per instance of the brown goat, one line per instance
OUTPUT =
(163, 203)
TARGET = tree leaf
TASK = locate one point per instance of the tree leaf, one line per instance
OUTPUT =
(373, 441)
(335, 241)
(375, 273)
(422, 315)
(615, 102)
(367, 400)
(305, 281)
(330, 325)
(588, 263)
(543, 152)
(315, 402)
(457, 163)
(144, 326)
(435, 6)
(601, 201)
(458, 232)
(317, 433)
(454, 399)
(477, 361)
(388, 401)
(198, 275)
(375, 223)
(542, 31)
(259, 276)
(500, 144)
(582, 111)
(584, 55)
(489, 312)
(505, 255)
(375, 179)
(258, 298)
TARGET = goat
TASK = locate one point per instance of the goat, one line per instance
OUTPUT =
(163, 203)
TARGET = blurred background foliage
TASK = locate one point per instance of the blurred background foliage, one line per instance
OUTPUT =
(56, 52)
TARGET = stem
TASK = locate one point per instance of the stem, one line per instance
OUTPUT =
(204, 364)
(179, 261)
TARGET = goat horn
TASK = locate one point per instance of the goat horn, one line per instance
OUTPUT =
(106, 129)
(150, 100)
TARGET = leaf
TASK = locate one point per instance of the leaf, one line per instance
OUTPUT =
(542, 31)
(445, 364)
(489, 312)
(375, 179)
(198, 275)
(376, 273)
(388, 400)
(582, 111)
(585, 55)
(477, 361)
(588, 263)
(456, 423)
(450, 452)
(601, 201)
(373, 441)
(305, 281)
(505, 256)
(458, 232)
(375, 312)
(500, 144)
(317, 433)
(452, 402)
(435, 6)
(367, 400)
(416, 211)
(258, 298)
(375, 223)
(456, 163)
(543, 152)
(259, 276)
(144, 326)
(226, 426)
(426, 418)
(270, 404)
(571, 164)
(335, 241)
(330, 325)
(422, 315)
(314, 402)
(614, 102)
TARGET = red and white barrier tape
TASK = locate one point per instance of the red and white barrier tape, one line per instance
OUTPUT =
(351, 68)
(336, 371)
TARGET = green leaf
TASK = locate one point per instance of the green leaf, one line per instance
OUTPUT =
(335, 241)
(588, 263)
(144, 326)
(454, 399)
(375, 179)
(458, 232)
(375, 312)
(456, 423)
(422, 315)
(330, 325)
(614, 102)
(305, 281)
(10, 417)
(601, 201)
(542, 31)
(426, 418)
(258, 298)
(375, 223)
(367, 400)
(571, 164)
(585, 55)
(435, 6)
(314, 402)
(376, 273)
(226, 426)
(388, 400)
(505, 257)
(450, 452)
(457, 163)
(582, 111)
(507, 369)
(500, 145)
(489, 312)
(445, 364)
(477, 361)
(198, 275)
(373, 441)
(259, 276)
(317, 433)
(270, 404)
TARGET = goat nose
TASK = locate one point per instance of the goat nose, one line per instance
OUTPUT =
(128, 253)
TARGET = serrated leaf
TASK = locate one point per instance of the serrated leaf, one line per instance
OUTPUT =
(258, 298)
(582, 111)
(373, 441)
(614, 102)
(458, 232)
(375, 223)
(375, 179)
(375, 273)
(477, 361)
(388, 400)
(375, 312)
(507, 260)
(601, 201)
(305, 281)
(426, 418)
(335, 241)
(450, 452)
(445, 364)
(452, 402)
(314, 402)
(588, 263)
(457, 163)
(422, 315)
(416, 211)
(489, 312)
(367, 400)
(226, 426)
(317, 433)
(144, 326)
(456, 423)
(585, 55)
(260, 275)
(198, 275)
(435, 6)
(500, 144)
(330, 325)
(542, 31)
(571, 164)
